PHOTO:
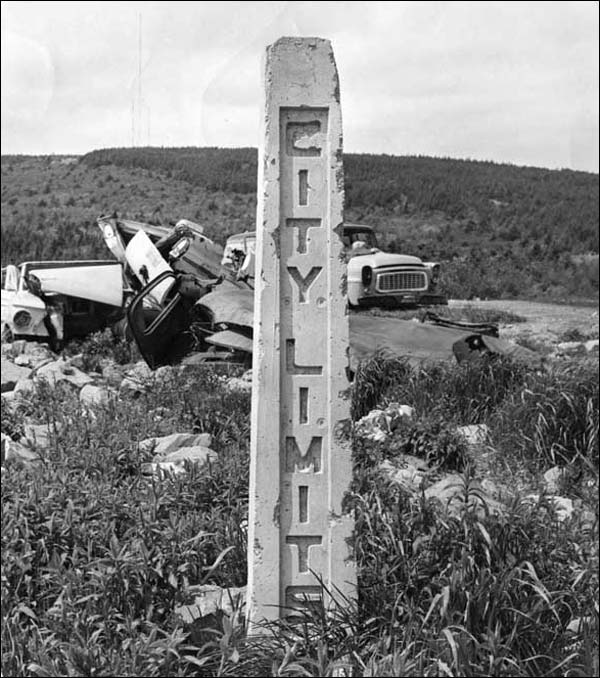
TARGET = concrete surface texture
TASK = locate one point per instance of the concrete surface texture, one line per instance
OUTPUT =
(300, 468)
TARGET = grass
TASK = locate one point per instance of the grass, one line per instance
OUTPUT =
(96, 557)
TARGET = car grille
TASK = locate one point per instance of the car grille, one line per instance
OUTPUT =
(402, 281)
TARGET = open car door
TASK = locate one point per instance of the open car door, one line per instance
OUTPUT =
(160, 329)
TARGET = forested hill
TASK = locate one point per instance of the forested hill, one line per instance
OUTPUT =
(558, 209)
(498, 230)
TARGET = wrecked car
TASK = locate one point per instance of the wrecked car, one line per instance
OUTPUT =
(169, 316)
(375, 278)
(58, 300)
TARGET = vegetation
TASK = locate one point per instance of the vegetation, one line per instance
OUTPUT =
(499, 230)
(96, 557)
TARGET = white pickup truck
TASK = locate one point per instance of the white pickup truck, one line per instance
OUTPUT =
(374, 277)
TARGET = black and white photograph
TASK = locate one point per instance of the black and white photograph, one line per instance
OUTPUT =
(300, 338)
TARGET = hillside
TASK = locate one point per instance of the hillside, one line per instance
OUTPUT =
(500, 230)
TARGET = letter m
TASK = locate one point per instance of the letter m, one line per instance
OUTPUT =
(296, 461)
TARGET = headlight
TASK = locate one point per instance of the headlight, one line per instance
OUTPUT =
(21, 319)
(366, 275)
(435, 273)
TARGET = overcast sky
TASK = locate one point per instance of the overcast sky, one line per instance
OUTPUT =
(503, 81)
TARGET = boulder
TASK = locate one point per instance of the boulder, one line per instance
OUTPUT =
(11, 374)
(591, 346)
(474, 434)
(15, 451)
(60, 370)
(174, 462)
(562, 505)
(112, 372)
(378, 424)
(449, 491)
(243, 383)
(552, 479)
(24, 388)
(23, 360)
(37, 436)
(165, 444)
(409, 477)
(570, 348)
(91, 395)
(211, 600)
(137, 379)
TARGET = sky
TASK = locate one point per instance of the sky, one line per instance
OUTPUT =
(510, 82)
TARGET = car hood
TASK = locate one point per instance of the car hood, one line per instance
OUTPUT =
(378, 259)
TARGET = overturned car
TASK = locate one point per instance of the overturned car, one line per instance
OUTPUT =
(191, 299)
(55, 301)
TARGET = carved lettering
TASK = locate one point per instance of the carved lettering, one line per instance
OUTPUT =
(303, 405)
(303, 187)
(290, 361)
(303, 503)
(303, 225)
(304, 283)
(303, 597)
(295, 460)
(303, 544)
(304, 138)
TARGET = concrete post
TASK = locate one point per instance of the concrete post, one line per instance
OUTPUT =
(300, 468)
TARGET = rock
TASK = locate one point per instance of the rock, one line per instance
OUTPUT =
(23, 360)
(409, 477)
(137, 379)
(238, 384)
(18, 452)
(37, 436)
(91, 395)
(19, 346)
(552, 479)
(474, 434)
(112, 372)
(166, 444)
(11, 374)
(577, 625)
(60, 370)
(77, 361)
(570, 348)
(450, 490)
(210, 599)
(591, 346)
(175, 461)
(24, 388)
(562, 505)
(378, 424)
(164, 373)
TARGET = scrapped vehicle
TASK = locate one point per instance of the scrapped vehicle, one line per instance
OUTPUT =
(58, 300)
(382, 278)
(169, 316)
(375, 278)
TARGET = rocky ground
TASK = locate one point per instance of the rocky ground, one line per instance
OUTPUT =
(549, 328)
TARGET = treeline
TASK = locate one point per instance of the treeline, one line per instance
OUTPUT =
(558, 209)
(498, 230)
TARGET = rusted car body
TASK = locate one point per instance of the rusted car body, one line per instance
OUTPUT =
(58, 300)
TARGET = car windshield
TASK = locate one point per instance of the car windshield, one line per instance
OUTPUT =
(366, 237)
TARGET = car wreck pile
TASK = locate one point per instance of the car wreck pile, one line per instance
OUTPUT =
(179, 293)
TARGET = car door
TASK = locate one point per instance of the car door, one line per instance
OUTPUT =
(160, 330)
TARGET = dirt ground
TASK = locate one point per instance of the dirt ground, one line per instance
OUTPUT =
(546, 324)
